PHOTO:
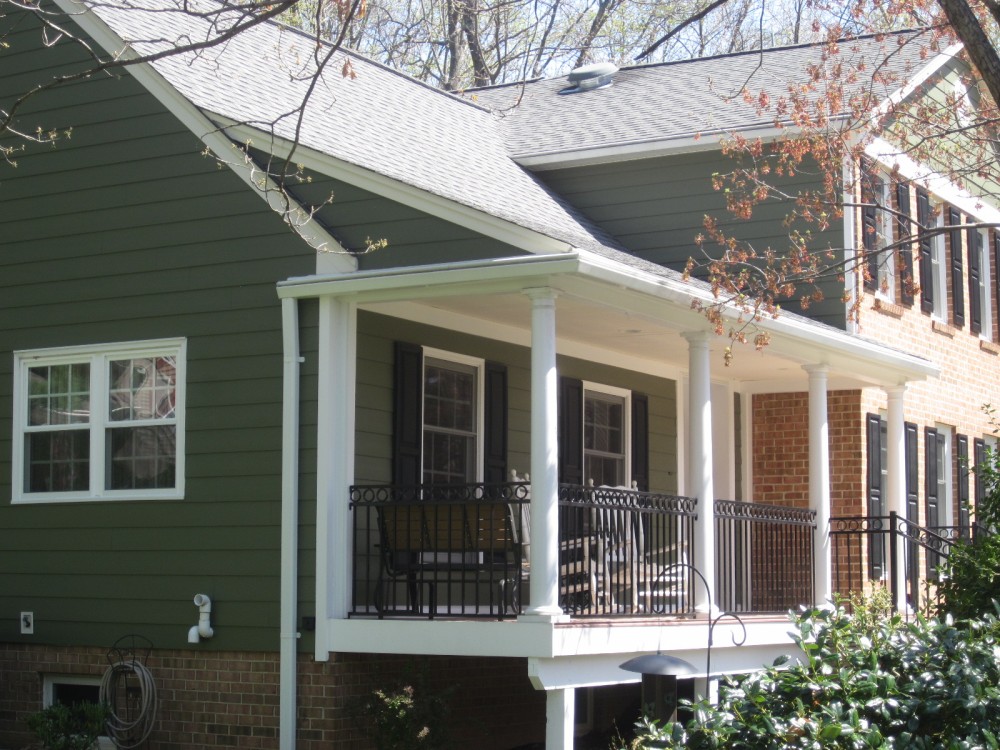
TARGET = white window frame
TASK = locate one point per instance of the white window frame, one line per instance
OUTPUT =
(99, 357)
(887, 270)
(939, 268)
(479, 365)
(946, 508)
(49, 681)
(985, 298)
(626, 395)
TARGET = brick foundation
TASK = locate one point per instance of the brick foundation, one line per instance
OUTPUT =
(230, 699)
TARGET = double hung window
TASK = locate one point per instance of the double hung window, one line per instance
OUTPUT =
(452, 413)
(605, 435)
(99, 422)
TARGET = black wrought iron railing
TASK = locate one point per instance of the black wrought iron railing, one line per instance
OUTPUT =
(439, 550)
(763, 557)
(618, 550)
(869, 550)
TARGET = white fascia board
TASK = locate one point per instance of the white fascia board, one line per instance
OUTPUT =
(891, 157)
(194, 119)
(400, 192)
(649, 149)
(922, 76)
(416, 282)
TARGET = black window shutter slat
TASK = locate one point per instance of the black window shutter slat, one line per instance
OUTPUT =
(931, 469)
(957, 287)
(974, 240)
(962, 472)
(926, 248)
(571, 431)
(904, 230)
(876, 508)
(408, 374)
(912, 478)
(495, 427)
(640, 441)
(871, 190)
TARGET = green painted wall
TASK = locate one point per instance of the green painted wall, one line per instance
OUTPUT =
(656, 208)
(123, 232)
(376, 334)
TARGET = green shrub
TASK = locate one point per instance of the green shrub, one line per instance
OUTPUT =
(887, 684)
(75, 727)
(407, 716)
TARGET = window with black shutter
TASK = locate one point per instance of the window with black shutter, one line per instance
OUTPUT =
(904, 232)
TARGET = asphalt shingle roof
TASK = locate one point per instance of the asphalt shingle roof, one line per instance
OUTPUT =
(675, 100)
(380, 120)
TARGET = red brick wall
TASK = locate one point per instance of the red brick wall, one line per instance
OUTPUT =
(230, 699)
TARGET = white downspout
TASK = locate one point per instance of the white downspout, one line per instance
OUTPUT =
(287, 671)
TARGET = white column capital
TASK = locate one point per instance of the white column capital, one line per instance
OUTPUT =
(539, 295)
(816, 370)
(696, 338)
(895, 391)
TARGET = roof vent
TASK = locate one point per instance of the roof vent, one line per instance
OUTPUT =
(590, 77)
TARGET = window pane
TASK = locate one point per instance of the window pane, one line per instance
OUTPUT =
(448, 458)
(604, 439)
(59, 394)
(449, 398)
(142, 458)
(142, 389)
(57, 461)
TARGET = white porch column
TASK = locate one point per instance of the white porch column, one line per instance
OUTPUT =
(700, 469)
(560, 706)
(335, 464)
(896, 484)
(819, 482)
(544, 597)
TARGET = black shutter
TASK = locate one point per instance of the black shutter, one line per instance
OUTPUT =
(871, 191)
(931, 470)
(957, 287)
(904, 231)
(912, 479)
(974, 240)
(495, 427)
(640, 441)
(996, 267)
(979, 446)
(407, 417)
(876, 507)
(571, 431)
(926, 249)
(962, 472)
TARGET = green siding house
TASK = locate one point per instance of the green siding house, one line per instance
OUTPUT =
(440, 399)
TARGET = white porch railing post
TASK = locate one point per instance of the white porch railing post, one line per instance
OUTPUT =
(700, 468)
(544, 595)
(819, 482)
(896, 484)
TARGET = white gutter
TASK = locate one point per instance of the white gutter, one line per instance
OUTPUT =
(287, 670)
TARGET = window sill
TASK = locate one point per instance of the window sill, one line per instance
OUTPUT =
(886, 307)
(989, 347)
(943, 328)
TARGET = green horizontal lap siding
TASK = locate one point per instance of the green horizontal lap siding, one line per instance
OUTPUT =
(376, 335)
(356, 217)
(656, 208)
(122, 232)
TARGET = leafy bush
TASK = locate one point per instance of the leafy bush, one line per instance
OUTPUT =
(863, 684)
(76, 727)
(408, 716)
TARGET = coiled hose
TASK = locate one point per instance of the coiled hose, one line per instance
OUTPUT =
(117, 692)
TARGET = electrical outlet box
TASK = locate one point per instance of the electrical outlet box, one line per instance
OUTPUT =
(27, 623)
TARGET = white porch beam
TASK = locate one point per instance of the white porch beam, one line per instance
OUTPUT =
(896, 483)
(544, 597)
(819, 482)
(700, 462)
